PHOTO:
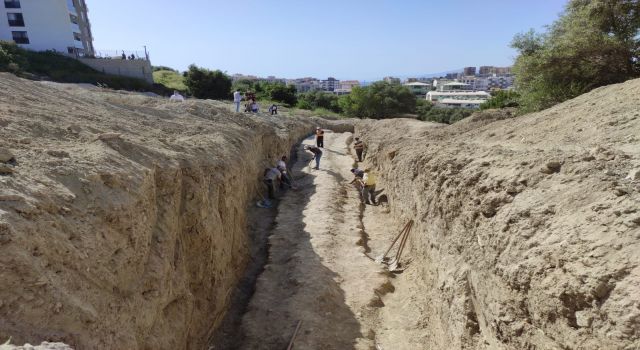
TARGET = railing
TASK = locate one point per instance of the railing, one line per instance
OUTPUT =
(118, 55)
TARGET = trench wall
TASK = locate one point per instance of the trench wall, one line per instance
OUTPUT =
(526, 233)
(123, 225)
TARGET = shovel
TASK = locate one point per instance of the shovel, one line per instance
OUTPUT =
(384, 257)
(395, 263)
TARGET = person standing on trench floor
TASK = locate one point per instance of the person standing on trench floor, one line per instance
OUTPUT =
(359, 147)
(317, 154)
(319, 137)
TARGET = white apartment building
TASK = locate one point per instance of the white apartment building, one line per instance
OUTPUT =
(457, 94)
(41, 25)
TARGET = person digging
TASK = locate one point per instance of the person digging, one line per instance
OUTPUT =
(270, 176)
(317, 154)
(286, 178)
(369, 188)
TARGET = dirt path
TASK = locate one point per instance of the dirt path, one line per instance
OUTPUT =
(317, 270)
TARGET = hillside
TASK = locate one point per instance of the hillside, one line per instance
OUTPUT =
(128, 222)
(528, 229)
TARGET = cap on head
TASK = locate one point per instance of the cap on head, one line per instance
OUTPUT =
(357, 138)
(353, 170)
(318, 128)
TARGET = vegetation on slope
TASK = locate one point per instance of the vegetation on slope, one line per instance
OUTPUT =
(170, 78)
(593, 43)
(60, 68)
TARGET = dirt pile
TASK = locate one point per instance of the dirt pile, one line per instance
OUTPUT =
(527, 231)
(123, 217)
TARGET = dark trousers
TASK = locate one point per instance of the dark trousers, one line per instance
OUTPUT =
(320, 141)
(359, 154)
(285, 180)
(368, 194)
(270, 188)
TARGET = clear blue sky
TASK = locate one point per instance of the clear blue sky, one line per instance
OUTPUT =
(346, 39)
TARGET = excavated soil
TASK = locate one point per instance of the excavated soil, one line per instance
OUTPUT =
(128, 222)
(123, 218)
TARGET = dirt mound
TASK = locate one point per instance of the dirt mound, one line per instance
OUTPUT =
(123, 217)
(527, 231)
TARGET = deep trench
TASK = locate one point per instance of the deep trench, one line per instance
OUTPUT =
(260, 225)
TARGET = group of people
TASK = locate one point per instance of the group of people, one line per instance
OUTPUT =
(251, 105)
(365, 182)
(278, 175)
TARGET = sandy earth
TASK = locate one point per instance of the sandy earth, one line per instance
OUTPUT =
(317, 270)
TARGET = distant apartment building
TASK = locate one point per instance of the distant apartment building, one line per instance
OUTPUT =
(499, 82)
(417, 88)
(469, 71)
(41, 25)
(491, 70)
(305, 84)
(457, 95)
(391, 80)
(330, 84)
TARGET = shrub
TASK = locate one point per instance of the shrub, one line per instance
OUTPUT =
(204, 83)
(377, 101)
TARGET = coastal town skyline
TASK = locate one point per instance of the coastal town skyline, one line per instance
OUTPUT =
(347, 40)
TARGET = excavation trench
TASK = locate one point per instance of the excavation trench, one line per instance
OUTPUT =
(317, 268)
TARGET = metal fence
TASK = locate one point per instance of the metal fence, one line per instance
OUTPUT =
(118, 55)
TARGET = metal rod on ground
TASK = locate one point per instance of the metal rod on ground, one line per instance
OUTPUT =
(295, 334)
(381, 258)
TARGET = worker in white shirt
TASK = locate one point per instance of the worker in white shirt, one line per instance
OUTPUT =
(176, 97)
(237, 98)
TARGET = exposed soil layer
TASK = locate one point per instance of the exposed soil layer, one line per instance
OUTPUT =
(123, 217)
(527, 231)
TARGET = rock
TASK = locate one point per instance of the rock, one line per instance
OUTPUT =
(634, 174)
(58, 154)
(620, 191)
(5, 155)
(551, 167)
(74, 129)
(6, 169)
(109, 136)
(583, 319)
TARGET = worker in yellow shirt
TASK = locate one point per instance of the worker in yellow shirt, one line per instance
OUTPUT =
(369, 188)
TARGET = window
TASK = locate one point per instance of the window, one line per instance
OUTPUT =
(15, 19)
(77, 36)
(20, 37)
(12, 4)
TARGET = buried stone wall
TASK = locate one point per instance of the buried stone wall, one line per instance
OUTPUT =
(122, 224)
(527, 231)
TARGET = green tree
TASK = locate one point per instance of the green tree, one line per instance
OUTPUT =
(379, 100)
(593, 43)
(204, 83)
(282, 93)
(444, 115)
(319, 99)
(502, 99)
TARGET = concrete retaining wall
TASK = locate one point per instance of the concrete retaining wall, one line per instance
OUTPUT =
(140, 69)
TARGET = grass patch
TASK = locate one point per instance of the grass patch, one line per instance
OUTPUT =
(170, 78)
(53, 66)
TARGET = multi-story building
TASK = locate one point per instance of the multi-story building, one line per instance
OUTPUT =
(305, 84)
(418, 88)
(391, 80)
(499, 82)
(348, 85)
(486, 71)
(330, 84)
(41, 25)
(469, 71)
(457, 94)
